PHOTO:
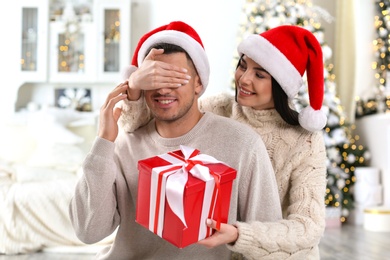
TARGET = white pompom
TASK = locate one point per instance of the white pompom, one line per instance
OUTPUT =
(312, 120)
(327, 52)
(127, 71)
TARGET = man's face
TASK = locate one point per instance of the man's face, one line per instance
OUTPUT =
(172, 104)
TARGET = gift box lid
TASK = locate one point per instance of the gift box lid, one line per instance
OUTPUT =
(194, 184)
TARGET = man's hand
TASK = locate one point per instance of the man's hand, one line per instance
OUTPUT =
(154, 74)
(109, 114)
(227, 234)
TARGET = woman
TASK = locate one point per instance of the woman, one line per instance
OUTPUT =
(268, 75)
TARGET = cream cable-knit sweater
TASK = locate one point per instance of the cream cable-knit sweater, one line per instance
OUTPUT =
(299, 160)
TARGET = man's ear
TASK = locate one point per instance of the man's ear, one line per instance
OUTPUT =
(198, 85)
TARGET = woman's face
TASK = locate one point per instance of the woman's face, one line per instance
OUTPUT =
(254, 85)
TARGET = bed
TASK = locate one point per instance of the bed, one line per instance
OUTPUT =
(40, 157)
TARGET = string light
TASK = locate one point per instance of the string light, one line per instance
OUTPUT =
(381, 47)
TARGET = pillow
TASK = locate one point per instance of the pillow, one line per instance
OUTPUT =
(16, 143)
(58, 156)
(6, 171)
(55, 133)
(50, 125)
(28, 174)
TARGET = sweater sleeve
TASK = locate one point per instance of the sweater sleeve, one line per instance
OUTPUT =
(134, 115)
(93, 209)
(300, 231)
(219, 104)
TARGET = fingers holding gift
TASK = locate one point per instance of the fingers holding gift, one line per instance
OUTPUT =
(227, 234)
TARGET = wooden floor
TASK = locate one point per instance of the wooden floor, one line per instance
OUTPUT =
(346, 243)
(354, 243)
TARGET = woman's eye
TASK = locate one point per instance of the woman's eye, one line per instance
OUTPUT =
(242, 67)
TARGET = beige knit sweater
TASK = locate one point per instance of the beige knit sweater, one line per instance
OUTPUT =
(106, 194)
(299, 160)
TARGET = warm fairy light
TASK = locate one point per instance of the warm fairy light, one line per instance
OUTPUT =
(64, 48)
(381, 45)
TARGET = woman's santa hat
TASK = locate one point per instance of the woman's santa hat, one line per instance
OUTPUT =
(180, 34)
(286, 52)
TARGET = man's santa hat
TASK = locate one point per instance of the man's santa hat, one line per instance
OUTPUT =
(286, 52)
(180, 34)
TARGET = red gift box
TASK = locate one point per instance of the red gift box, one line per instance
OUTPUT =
(179, 190)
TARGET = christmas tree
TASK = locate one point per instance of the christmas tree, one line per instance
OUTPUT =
(343, 155)
(380, 102)
(381, 44)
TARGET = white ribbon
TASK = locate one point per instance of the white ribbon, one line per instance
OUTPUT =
(153, 197)
(173, 184)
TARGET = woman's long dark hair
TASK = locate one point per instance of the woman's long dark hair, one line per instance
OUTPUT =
(282, 106)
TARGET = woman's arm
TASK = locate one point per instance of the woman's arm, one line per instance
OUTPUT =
(219, 104)
(296, 236)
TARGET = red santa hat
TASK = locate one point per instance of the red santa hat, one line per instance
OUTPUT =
(180, 34)
(286, 52)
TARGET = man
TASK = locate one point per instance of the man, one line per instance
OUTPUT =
(106, 195)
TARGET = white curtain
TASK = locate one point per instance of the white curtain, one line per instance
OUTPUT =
(345, 49)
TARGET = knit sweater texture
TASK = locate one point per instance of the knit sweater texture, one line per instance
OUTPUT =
(299, 161)
(105, 196)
